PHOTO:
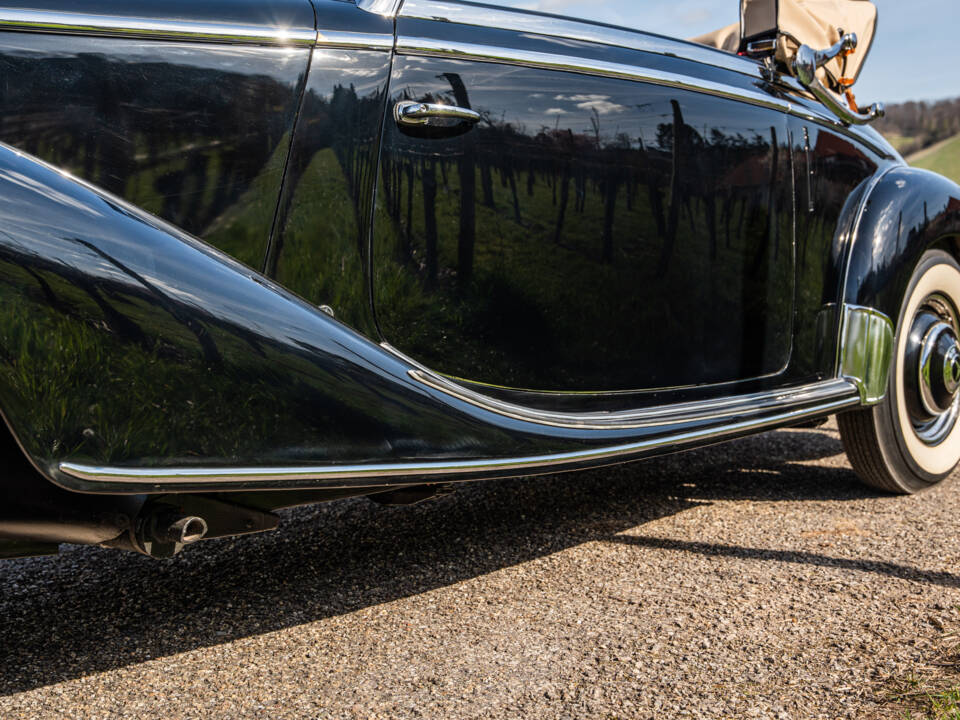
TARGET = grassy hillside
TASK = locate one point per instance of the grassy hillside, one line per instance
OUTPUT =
(943, 158)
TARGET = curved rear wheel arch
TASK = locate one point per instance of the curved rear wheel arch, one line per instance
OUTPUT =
(903, 445)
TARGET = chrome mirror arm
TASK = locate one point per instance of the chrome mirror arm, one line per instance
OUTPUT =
(805, 67)
(846, 44)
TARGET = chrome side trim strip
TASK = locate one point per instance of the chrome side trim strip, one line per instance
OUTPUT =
(866, 347)
(663, 416)
(429, 47)
(659, 416)
(387, 8)
(44, 21)
(524, 21)
(358, 40)
(376, 474)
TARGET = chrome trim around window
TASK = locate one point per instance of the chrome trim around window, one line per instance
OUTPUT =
(429, 47)
(525, 21)
(159, 479)
(866, 348)
(44, 21)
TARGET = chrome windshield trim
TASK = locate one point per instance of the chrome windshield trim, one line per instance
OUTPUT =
(359, 40)
(379, 474)
(525, 21)
(43, 21)
(428, 47)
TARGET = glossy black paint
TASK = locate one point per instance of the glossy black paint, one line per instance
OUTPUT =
(620, 236)
(909, 211)
(832, 176)
(197, 134)
(128, 343)
(321, 247)
(289, 14)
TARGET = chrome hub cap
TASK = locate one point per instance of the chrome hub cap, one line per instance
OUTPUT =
(932, 370)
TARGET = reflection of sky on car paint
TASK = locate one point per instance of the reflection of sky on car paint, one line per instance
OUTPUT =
(272, 62)
(914, 56)
(591, 103)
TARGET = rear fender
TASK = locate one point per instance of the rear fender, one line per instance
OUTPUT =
(908, 212)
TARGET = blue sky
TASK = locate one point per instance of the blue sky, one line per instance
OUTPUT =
(915, 56)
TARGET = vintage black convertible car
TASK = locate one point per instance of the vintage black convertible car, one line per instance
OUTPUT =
(261, 253)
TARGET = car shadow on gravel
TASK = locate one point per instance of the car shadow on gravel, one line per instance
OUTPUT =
(902, 572)
(91, 610)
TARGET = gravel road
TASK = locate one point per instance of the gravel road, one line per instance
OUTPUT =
(751, 579)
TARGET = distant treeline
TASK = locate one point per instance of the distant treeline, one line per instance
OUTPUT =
(921, 123)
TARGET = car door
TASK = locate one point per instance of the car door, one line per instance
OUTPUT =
(619, 217)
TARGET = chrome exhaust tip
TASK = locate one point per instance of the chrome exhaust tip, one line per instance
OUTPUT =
(181, 530)
(162, 531)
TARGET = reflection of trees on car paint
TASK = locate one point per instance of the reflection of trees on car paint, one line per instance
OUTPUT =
(638, 211)
(184, 134)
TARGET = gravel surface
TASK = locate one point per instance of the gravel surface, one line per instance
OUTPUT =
(751, 579)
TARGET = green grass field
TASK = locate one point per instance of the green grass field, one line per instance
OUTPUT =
(944, 160)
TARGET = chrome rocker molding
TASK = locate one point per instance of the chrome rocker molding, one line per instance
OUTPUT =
(723, 409)
(106, 479)
(866, 349)
(148, 28)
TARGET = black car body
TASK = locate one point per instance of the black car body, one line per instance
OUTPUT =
(235, 278)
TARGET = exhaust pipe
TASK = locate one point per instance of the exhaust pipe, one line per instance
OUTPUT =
(162, 532)
(169, 528)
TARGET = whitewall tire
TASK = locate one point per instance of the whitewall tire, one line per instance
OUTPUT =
(911, 440)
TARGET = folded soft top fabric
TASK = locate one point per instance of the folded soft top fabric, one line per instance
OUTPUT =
(817, 23)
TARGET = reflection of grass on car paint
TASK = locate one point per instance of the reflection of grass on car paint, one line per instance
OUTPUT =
(242, 229)
(73, 385)
(320, 260)
(69, 374)
(521, 268)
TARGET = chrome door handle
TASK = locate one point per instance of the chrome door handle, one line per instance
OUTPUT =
(407, 112)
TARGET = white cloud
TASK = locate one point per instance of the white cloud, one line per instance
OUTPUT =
(554, 111)
(603, 107)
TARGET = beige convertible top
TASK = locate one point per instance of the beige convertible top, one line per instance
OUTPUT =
(817, 23)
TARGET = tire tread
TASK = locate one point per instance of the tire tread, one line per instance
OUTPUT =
(858, 432)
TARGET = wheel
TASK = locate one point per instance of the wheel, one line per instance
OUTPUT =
(911, 440)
